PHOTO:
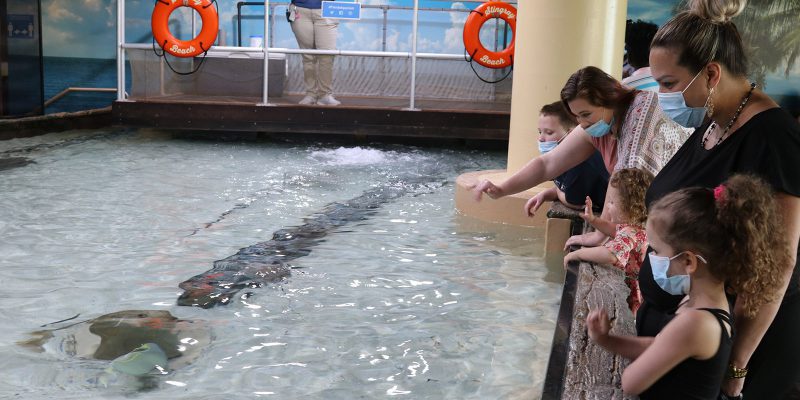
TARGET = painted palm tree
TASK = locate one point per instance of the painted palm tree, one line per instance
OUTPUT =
(772, 29)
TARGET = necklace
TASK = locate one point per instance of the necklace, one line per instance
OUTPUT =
(730, 123)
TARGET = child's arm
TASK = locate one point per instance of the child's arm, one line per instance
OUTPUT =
(562, 197)
(630, 347)
(605, 226)
(535, 202)
(590, 239)
(691, 334)
(599, 255)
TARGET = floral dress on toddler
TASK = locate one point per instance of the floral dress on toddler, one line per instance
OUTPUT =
(629, 247)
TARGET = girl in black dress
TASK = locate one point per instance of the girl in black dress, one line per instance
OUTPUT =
(699, 61)
(734, 238)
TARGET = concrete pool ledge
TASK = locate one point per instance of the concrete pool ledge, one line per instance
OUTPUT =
(507, 210)
(578, 368)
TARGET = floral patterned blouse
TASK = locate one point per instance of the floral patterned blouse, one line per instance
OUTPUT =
(629, 246)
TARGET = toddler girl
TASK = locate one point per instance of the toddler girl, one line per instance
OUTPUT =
(626, 209)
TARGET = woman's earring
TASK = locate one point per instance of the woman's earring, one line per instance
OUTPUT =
(710, 103)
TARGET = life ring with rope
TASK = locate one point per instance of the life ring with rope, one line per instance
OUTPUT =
(472, 29)
(184, 48)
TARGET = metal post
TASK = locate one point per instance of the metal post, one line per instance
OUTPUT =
(414, 55)
(265, 95)
(385, 22)
(194, 35)
(120, 50)
(271, 28)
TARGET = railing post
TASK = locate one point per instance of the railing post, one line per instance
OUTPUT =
(265, 47)
(414, 56)
(120, 50)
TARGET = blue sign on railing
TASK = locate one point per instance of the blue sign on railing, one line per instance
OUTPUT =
(20, 26)
(341, 10)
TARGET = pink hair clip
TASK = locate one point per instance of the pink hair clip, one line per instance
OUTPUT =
(719, 193)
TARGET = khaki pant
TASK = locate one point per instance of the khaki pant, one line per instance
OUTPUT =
(314, 32)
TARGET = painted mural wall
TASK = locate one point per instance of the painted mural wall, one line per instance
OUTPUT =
(87, 29)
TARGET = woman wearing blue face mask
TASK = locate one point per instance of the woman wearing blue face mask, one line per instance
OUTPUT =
(625, 125)
(587, 179)
(734, 239)
(699, 61)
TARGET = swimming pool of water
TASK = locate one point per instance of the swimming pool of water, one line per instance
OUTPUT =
(410, 301)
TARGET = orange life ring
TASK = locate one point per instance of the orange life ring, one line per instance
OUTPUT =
(184, 48)
(472, 30)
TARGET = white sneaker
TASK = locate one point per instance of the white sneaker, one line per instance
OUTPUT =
(328, 100)
(308, 100)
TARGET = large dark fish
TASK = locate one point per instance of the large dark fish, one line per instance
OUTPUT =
(266, 262)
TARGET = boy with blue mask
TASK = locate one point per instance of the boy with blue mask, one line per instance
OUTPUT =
(589, 178)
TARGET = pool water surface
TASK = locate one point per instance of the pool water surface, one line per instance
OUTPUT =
(412, 301)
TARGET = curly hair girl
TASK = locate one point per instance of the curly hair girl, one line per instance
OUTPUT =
(626, 207)
(735, 227)
(702, 240)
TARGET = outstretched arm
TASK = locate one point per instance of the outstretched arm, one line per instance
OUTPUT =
(575, 149)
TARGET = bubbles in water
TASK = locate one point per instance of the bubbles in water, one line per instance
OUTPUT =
(351, 156)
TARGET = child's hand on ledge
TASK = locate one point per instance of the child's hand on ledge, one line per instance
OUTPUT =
(598, 325)
(571, 256)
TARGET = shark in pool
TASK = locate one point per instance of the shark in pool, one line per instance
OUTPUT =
(265, 262)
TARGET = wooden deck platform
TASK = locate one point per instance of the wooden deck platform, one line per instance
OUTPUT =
(356, 116)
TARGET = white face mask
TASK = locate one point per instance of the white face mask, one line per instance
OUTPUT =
(674, 285)
(674, 105)
(545, 147)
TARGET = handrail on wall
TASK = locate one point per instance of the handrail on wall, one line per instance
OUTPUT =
(75, 89)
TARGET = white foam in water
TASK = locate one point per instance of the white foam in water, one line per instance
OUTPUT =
(354, 156)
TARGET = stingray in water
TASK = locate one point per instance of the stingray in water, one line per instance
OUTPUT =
(133, 339)
(266, 262)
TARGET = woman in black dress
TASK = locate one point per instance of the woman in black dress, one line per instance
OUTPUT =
(699, 61)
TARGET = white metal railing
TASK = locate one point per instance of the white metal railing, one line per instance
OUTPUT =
(75, 89)
(266, 50)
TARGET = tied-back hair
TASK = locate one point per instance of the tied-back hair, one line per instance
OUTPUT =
(737, 230)
(704, 33)
(632, 184)
(601, 90)
(565, 118)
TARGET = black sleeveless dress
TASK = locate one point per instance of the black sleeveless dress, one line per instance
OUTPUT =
(695, 379)
(768, 146)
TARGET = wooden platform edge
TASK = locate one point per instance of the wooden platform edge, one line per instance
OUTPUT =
(443, 124)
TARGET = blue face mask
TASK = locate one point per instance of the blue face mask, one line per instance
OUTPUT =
(674, 105)
(545, 147)
(600, 128)
(675, 285)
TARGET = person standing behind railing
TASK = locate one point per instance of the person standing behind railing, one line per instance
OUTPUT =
(312, 31)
